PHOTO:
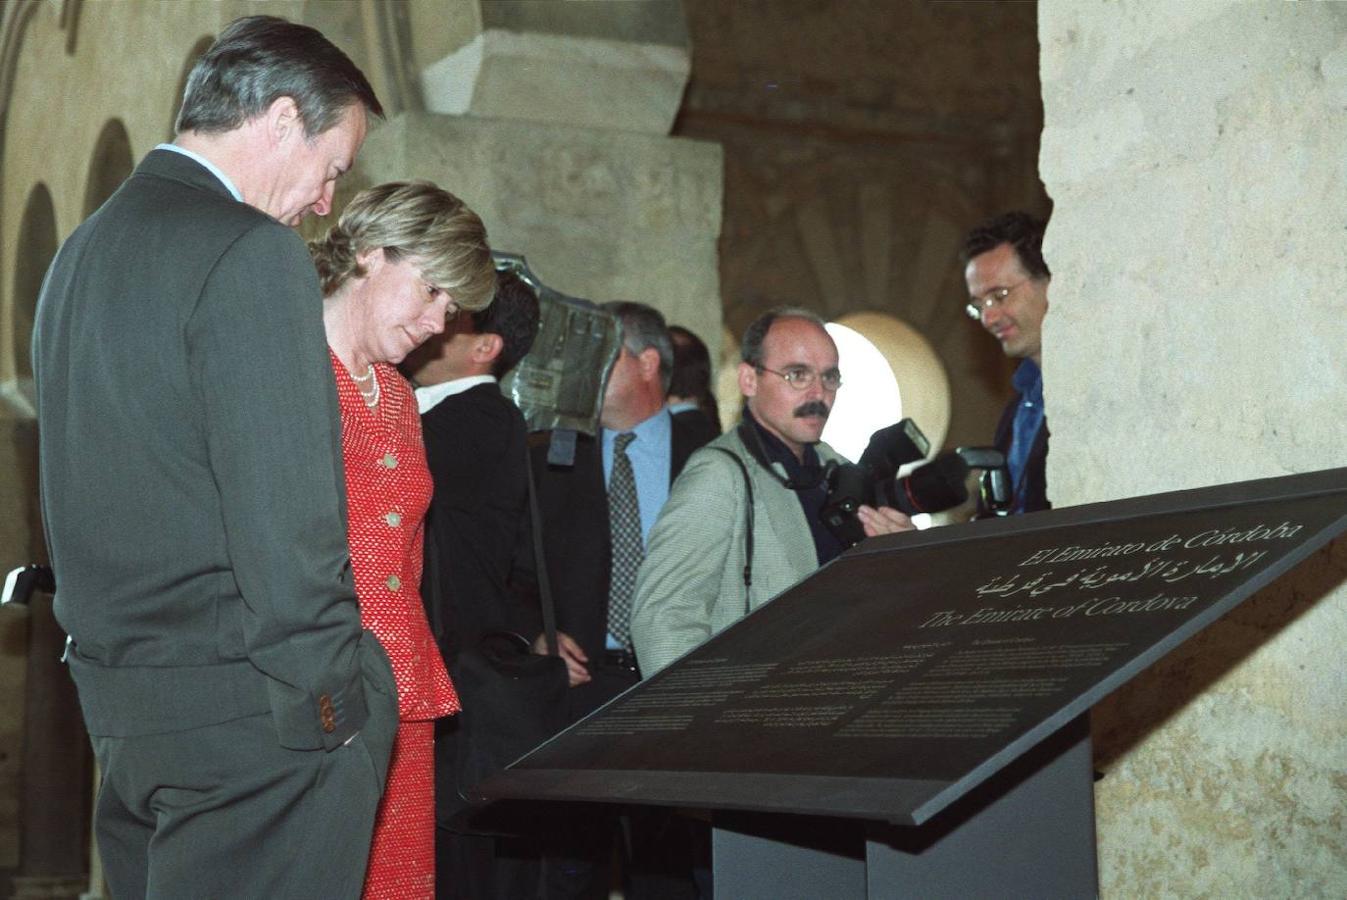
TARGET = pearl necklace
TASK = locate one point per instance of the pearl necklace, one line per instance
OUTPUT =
(370, 395)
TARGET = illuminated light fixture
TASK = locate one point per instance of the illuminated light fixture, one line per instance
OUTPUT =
(869, 397)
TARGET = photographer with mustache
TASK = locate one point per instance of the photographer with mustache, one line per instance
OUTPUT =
(743, 522)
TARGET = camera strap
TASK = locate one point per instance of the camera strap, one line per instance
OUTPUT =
(748, 522)
(753, 443)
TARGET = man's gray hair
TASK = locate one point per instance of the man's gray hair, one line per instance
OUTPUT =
(644, 327)
(750, 348)
(257, 60)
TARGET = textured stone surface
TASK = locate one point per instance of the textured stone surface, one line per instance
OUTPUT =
(599, 65)
(600, 215)
(642, 22)
(1194, 154)
(582, 81)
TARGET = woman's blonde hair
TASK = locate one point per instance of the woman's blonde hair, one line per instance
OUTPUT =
(411, 220)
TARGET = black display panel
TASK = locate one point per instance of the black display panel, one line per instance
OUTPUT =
(914, 667)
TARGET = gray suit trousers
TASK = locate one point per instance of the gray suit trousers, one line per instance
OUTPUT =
(225, 811)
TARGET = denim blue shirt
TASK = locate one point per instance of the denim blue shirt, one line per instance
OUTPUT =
(1028, 382)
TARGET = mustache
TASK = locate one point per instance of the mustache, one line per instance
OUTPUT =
(812, 408)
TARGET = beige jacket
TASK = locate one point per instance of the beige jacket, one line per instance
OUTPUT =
(691, 584)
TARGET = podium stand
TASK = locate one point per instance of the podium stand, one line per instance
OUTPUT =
(1027, 832)
(912, 720)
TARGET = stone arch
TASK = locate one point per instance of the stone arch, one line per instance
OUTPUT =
(111, 164)
(36, 247)
(201, 46)
(845, 232)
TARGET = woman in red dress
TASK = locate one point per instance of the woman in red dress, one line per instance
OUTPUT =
(402, 257)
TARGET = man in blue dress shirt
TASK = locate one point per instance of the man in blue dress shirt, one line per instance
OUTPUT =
(596, 518)
(1008, 293)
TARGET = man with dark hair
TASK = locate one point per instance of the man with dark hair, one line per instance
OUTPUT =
(194, 500)
(1008, 293)
(476, 448)
(260, 59)
(691, 584)
(690, 398)
(596, 516)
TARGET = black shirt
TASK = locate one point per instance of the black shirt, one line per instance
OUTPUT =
(810, 486)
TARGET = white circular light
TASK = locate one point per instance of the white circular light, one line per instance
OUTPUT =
(868, 399)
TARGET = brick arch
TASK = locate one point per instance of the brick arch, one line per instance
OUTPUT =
(36, 245)
(112, 162)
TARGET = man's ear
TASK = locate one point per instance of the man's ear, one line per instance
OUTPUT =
(748, 379)
(486, 348)
(282, 120)
(648, 359)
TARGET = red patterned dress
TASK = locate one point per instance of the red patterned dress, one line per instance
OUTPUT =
(388, 490)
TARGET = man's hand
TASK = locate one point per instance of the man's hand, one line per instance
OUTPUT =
(576, 670)
(885, 520)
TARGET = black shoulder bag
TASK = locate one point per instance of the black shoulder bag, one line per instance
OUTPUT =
(513, 698)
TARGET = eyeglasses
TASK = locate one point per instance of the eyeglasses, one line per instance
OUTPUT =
(993, 298)
(801, 377)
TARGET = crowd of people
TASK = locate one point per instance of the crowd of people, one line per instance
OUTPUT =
(284, 496)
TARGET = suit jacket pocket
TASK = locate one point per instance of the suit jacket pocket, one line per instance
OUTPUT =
(381, 698)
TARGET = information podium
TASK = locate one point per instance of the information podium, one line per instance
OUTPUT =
(912, 720)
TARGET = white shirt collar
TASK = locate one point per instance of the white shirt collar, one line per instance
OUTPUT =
(209, 166)
(427, 398)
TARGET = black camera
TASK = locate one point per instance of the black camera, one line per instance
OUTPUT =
(938, 485)
(22, 582)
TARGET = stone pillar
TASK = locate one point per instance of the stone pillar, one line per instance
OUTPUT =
(1196, 336)
(551, 120)
(612, 65)
(603, 215)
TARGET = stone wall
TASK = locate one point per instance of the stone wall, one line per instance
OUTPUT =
(604, 215)
(1194, 154)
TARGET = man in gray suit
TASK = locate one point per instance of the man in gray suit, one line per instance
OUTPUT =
(691, 584)
(193, 494)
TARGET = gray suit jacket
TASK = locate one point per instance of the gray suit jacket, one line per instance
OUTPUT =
(691, 584)
(191, 469)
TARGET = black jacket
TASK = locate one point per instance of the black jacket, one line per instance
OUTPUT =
(1033, 483)
(478, 520)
